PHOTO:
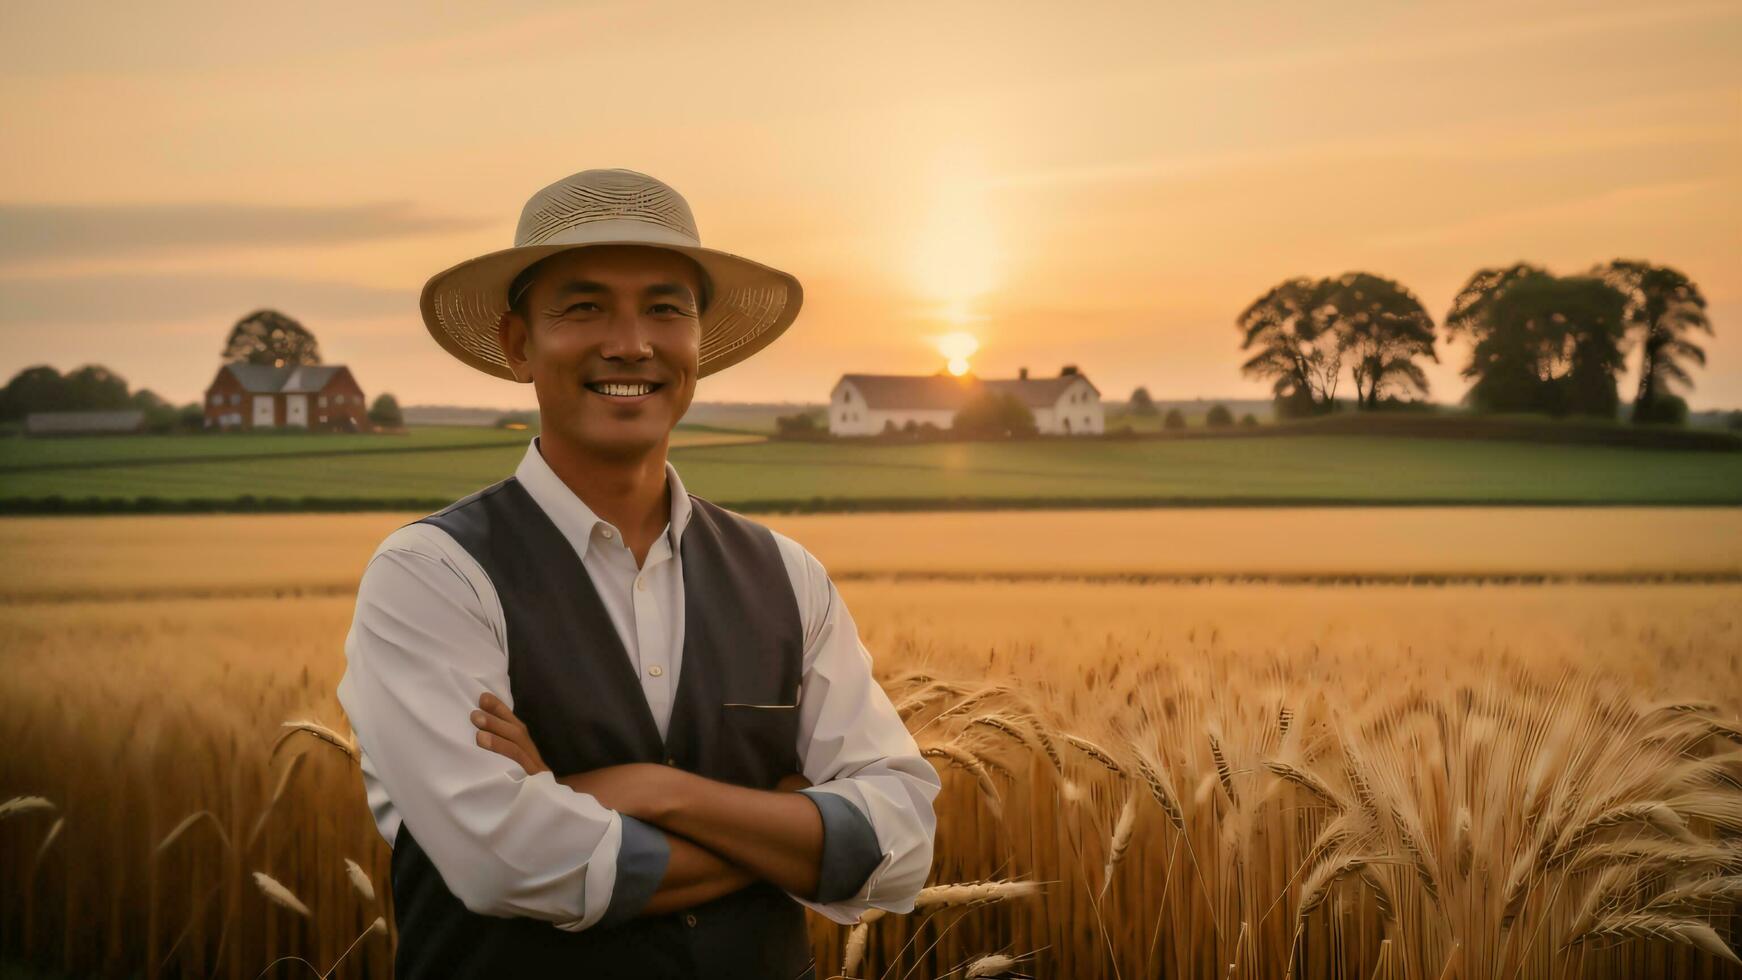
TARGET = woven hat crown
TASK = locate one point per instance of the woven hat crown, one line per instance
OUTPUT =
(604, 195)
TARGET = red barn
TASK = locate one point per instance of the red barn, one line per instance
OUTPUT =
(321, 398)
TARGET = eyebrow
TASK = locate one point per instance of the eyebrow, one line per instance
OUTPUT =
(578, 287)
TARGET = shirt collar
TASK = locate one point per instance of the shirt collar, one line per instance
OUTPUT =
(571, 514)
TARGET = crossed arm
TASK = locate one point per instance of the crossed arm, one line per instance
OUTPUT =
(723, 837)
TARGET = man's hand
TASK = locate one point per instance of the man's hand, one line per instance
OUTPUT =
(635, 788)
(502, 733)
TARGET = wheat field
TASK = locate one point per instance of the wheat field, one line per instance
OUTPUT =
(1142, 778)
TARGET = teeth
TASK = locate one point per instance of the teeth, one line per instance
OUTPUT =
(620, 389)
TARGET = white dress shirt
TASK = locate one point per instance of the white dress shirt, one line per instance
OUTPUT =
(429, 637)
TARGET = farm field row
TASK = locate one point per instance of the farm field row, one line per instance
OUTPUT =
(244, 554)
(773, 475)
(25, 455)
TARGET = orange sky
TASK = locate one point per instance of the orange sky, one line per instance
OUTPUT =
(1089, 183)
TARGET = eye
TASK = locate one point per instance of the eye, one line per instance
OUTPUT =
(669, 306)
(579, 305)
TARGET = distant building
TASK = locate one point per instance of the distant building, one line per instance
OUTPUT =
(866, 404)
(83, 423)
(323, 398)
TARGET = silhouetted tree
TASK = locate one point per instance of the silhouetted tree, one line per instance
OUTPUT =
(1141, 405)
(1546, 343)
(1296, 349)
(91, 388)
(270, 337)
(1173, 420)
(1383, 328)
(95, 388)
(1249, 420)
(994, 413)
(799, 425)
(385, 411)
(1664, 306)
(1219, 417)
(34, 389)
(1468, 317)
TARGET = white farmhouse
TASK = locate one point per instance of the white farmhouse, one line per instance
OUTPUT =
(866, 404)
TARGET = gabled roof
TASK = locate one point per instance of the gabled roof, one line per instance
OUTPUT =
(1038, 392)
(913, 391)
(948, 392)
(264, 379)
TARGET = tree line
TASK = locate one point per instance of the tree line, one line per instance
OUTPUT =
(262, 337)
(1538, 342)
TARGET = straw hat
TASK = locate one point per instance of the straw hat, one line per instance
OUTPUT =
(749, 303)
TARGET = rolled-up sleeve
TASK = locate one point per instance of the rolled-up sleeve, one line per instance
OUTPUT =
(420, 651)
(879, 827)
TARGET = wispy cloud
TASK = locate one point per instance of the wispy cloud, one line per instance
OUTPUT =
(149, 300)
(35, 232)
(1496, 224)
(1516, 140)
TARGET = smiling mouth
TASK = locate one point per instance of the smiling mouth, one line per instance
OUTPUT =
(617, 389)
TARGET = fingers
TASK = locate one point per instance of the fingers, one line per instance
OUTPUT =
(499, 731)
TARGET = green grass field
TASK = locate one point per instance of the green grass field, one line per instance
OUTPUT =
(764, 475)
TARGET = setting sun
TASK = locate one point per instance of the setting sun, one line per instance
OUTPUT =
(958, 347)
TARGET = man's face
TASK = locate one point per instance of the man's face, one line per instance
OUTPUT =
(611, 340)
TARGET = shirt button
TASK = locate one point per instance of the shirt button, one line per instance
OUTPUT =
(690, 919)
(641, 582)
(606, 532)
(656, 670)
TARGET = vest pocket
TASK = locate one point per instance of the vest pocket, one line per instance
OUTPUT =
(762, 738)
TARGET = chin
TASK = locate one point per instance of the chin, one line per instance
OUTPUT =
(617, 439)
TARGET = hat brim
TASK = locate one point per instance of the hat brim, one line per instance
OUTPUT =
(750, 304)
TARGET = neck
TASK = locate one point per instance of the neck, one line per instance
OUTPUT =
(631, 492)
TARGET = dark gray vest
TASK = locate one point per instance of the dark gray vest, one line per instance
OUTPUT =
(577, 692)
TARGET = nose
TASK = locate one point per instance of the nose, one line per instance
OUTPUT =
(626, 337)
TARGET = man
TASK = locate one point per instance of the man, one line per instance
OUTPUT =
(611, 729)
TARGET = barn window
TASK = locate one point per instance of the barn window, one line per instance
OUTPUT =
(338, 399)
(323, 403)
(235, 398)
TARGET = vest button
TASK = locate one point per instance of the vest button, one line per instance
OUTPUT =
(670, 761)
(656, 670)
(690, 920)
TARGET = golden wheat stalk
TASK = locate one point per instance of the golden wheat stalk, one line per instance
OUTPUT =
(1094, 752)
(1666, 928)
(990, 966)
(360, 880)
(855, 950)
(277, 794)
(961, 756)
(187, 824)
(280, 895)
(1121, 839)
(317, 730)
(24, 804)
(972, 892)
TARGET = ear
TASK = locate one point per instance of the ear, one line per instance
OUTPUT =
(512, 335)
